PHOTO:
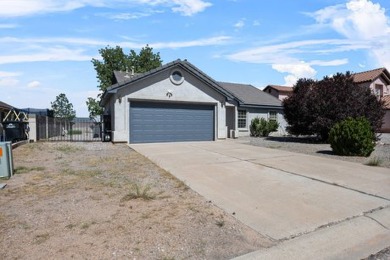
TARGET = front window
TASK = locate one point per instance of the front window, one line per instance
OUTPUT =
(273, 116)
(241, 119)
(379, 90)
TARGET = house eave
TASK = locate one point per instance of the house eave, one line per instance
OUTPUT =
(261, 106)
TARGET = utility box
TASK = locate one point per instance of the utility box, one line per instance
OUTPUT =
(6, 160)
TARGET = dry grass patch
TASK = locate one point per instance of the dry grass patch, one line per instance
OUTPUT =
(26, 169)
(99, 200)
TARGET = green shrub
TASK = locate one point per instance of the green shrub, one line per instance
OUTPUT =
(352, 137)
(262, 127)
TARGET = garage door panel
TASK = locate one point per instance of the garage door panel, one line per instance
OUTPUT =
(163, 122)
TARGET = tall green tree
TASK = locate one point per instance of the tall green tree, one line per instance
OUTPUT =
(115, 59)
(62, 108)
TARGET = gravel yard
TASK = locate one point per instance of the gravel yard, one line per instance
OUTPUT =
(311, 147)
(105, 201)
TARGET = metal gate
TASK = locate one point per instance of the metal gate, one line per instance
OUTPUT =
(75, 130)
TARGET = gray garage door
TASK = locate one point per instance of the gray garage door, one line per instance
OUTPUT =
(164, 122)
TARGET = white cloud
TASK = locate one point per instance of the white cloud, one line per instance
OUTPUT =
(16, 8)
(8, 82)
(34, 84)
(190, 7)
(296, 71)
(360, 20)
(51, 54)
(8, 25)
(9, 74)
(218, 40)
(240, 24)
(79, 49)
(256, 23)
(357, 19)
(286, 52)
(362, 24)
(125, 16)
(337, 62)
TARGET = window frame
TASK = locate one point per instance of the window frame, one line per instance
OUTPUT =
(270, 117)
(172, 76)
(378, 90)
(240, 113)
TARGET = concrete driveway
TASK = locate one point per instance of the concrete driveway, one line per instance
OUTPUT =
(313, 207)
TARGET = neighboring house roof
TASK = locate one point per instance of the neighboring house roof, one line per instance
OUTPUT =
(279, 88)
(249, 95)
(371, 75)
(5, 106)
(386, 100)
(185, 65)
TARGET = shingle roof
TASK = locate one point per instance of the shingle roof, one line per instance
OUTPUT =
(280, 88)
(386, 100)
(122, 76)
(185, 65)
(371, 75)
(245, 94)
(250, 95)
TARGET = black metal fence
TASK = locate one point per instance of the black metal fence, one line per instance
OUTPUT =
(76, 130)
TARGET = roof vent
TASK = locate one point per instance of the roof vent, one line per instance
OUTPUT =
(127, 74)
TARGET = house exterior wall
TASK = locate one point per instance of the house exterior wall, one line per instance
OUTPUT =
(383, 91)
(273, 92)
(283, 95)
(262, 113)
(160, 88)
(386, 122)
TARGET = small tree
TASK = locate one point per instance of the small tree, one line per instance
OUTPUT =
(352, 137)
(316, 106)
(62, 108)
(95, 110)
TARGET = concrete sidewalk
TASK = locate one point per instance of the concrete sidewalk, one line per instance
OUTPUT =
(300, 200)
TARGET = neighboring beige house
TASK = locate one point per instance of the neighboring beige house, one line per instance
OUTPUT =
(378, 80)
(386, 118)
(280, 92)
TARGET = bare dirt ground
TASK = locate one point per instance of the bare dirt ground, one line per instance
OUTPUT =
(105, 201)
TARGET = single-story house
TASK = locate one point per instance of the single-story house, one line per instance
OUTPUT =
(280, 92)
(179, 102)
(378, 80)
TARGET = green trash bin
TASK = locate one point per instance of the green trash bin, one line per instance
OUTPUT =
(6, 160)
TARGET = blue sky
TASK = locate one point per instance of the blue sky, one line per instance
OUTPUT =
(46, 46)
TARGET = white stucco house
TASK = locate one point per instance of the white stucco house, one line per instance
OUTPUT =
(179, 102)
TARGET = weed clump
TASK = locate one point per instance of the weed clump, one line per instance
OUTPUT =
(138, 191)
